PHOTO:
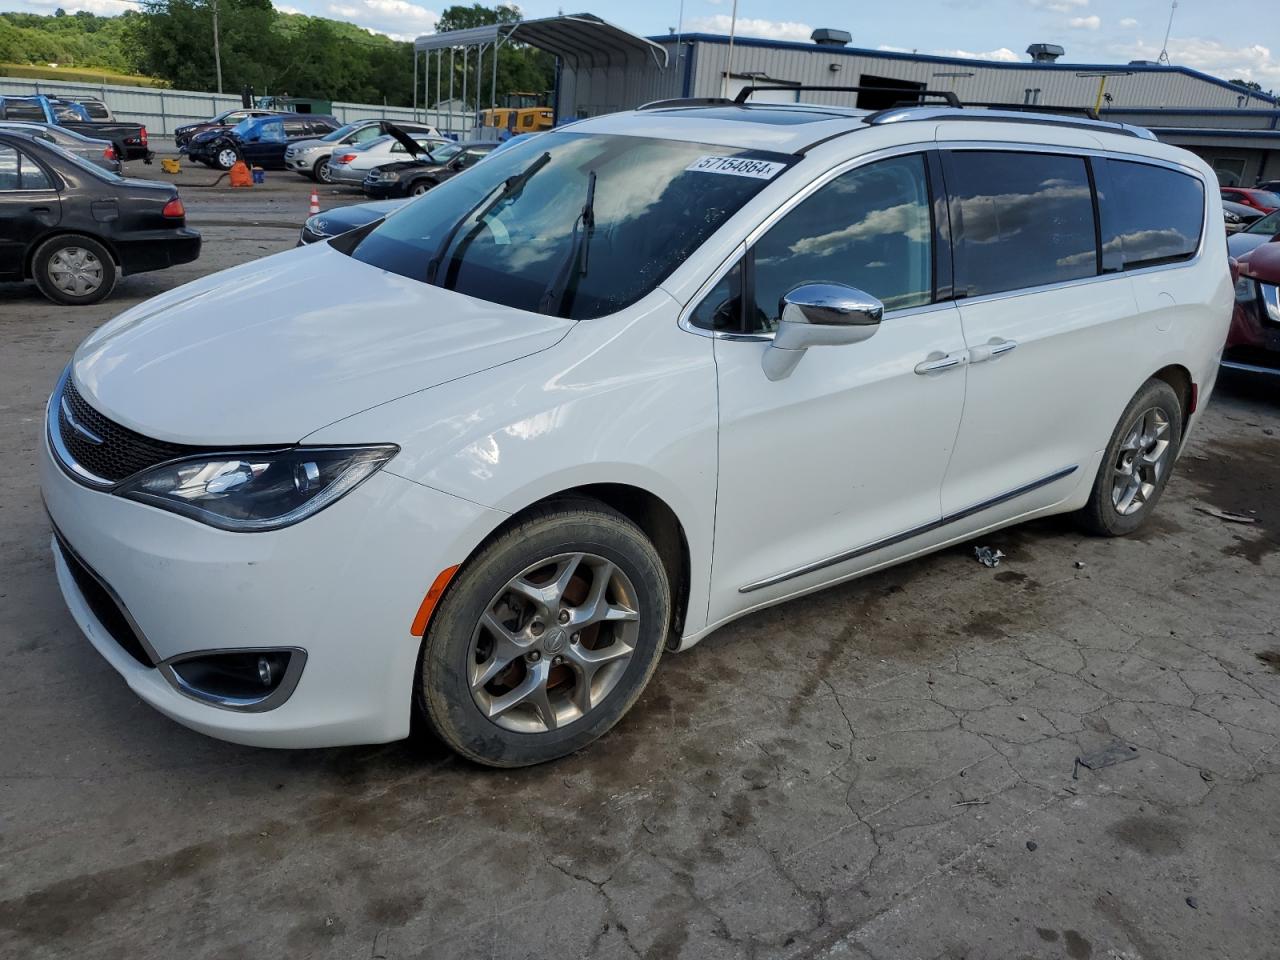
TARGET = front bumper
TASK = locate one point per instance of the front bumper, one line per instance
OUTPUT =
(302, 163)
(343, 586)
(381, 189)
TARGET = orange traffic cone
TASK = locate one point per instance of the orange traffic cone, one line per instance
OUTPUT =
(315, 203)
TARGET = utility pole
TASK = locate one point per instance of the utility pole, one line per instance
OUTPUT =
(728, 66)
(217, 52)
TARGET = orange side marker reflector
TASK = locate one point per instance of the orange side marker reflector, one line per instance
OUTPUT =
(430, 600)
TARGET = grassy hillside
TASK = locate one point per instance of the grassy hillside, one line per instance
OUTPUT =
(79, 75)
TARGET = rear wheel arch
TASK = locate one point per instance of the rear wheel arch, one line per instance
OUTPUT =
(30, 256)
(1179, 378)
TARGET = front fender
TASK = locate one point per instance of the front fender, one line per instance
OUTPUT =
(627, 399)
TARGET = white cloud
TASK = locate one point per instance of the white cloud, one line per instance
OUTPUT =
(748, 27)
(1091, 22)
(1004, 54)
(1254, 62)
(397, 19)
(1128, 23)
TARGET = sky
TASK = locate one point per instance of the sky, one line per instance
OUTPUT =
(1235, 45)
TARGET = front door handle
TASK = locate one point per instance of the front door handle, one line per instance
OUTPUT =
(938, 361)
(992, 348)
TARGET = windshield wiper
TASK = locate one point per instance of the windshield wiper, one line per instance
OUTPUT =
(559, 295)
(511, 188)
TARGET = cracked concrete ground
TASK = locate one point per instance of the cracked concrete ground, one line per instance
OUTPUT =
(884, 770)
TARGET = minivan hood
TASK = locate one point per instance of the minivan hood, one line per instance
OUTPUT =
(271, 351)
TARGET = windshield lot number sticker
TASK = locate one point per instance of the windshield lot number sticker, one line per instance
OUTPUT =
(737, 167)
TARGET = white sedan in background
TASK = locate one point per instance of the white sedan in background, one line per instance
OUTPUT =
(351, 166)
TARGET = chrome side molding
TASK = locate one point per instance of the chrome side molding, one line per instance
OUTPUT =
(908, 534)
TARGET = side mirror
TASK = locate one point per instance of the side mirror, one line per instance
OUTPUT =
(819, 315)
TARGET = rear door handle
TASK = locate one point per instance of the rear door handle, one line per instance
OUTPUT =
(938, 361)
(992, 348)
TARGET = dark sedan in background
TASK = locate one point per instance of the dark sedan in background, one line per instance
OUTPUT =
(330, 223)
(260, 141)
(75, 229)
(412, 178)
(222, 121)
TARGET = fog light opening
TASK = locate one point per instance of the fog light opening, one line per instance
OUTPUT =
(252, 680)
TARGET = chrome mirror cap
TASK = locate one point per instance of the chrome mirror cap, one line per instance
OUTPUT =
(818, 315)
(830, 304)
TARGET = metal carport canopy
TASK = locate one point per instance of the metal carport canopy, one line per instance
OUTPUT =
(578, 38)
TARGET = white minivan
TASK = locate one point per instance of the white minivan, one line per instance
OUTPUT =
(489, 457)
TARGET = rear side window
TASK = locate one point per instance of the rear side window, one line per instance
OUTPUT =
(1020, 220)
(20, 172)
(1150, 215)
(23, 110)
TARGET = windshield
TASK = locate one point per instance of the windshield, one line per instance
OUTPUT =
(441, 153)
(339, 133)
(244, 126)
(1270, 224)
(1265, 198)
(570, 224)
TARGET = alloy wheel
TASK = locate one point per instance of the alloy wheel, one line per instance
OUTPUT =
(553, 643)
(1141, 461)
(323, 173)
(75, 271)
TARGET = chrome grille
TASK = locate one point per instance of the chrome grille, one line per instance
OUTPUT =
(99, 446)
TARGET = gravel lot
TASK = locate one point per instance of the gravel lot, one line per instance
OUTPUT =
(884, 770)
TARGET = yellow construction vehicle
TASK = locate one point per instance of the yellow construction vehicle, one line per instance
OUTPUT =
(521, 113)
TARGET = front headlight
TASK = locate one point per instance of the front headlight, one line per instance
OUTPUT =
(1230, 217)
(257, 490)
(311, 225)
(389, 175)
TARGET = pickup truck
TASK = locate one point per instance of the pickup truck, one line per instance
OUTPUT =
(130, 139)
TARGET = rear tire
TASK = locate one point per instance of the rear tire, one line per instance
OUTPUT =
(546, 637)
(320, 172)
(74, 269)
(1137, 463)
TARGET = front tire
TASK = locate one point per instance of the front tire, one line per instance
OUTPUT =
(546, 637)
(419, 188)
(225, 157)
(74, 269)
(1138, 461)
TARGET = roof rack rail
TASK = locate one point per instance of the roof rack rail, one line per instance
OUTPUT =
(686, 102)
(1000, 113)
(1087, 112)
(911, 93)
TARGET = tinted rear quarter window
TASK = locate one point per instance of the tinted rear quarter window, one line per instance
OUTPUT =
(1020, 220)
(1150, 214)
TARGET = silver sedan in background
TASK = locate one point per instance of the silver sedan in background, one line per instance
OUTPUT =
(311, 157)
(350, 167)
(99, 152)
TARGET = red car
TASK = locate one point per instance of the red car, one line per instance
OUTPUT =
(1263, 200)
(1253, 343)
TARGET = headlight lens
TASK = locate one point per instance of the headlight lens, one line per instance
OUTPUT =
(257, 490)
(310, 225)
(1230, 217)
(384, 175)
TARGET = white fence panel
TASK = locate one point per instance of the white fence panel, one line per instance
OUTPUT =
(161, 110)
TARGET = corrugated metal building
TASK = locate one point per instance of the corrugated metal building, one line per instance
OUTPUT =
(697, 63)
(604, 69)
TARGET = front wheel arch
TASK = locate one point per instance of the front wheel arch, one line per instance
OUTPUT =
(647, 511)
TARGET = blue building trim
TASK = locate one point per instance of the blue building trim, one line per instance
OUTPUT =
(961, 61)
